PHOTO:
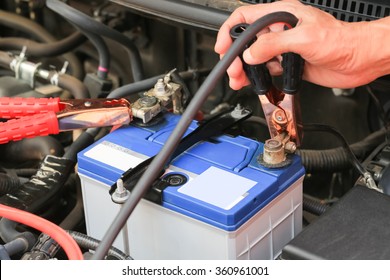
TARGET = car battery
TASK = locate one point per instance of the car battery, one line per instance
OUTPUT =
(230, 206)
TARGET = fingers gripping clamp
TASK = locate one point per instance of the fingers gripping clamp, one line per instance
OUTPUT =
(259, 75)
(281, 106)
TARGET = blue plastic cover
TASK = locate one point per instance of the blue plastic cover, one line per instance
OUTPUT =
(226, 186)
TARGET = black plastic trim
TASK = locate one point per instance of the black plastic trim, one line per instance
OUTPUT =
(186, 13)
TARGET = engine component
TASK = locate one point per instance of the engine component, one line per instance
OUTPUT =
(225, 197)
(347, 10)
(45, 185)
(29, 71)
(180, 11)
(45, 249)
(378, 164)
(216, 191)
(347, 230)
(65, 240)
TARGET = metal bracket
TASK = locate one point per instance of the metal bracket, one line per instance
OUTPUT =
(25, 70)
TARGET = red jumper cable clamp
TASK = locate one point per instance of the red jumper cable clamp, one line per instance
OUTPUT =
(30, 117)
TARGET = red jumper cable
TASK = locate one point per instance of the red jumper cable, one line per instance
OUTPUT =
(30, 117)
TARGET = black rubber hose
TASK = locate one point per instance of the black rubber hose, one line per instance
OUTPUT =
(134, 88)
(6, 72)
(147, 84)
(102, 50)
(5, 60)
(314, 206)
(7, 230)
(17, 246)
(77, 213)
(25, 25)
(337, 159)
(25, 172)
(9, 233)
(351, 156)
(75, 87)
(365, 146)
(331, 160)
(89, 24)
(172, 142)
(8, 183)
(36, 49)
(176, 78)
(4, 254)
(83, 141)
(35, 30)
(90, 243)
(36, 148)
(104, 54)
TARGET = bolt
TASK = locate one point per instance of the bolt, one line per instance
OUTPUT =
(160, 87)
(120, 188)
(176, 179)
(238, 111)
(280, 117)
(148, 101)
(121, 194)
(290, 147)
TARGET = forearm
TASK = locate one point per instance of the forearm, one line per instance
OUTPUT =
(379, 31)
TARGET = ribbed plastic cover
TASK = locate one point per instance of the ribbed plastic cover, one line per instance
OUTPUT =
(347, 10)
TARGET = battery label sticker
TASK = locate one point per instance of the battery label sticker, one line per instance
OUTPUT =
(218, 187)
(115, 155)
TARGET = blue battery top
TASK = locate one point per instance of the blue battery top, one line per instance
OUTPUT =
(226, 185)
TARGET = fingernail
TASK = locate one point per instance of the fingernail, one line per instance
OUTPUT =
(247, 56)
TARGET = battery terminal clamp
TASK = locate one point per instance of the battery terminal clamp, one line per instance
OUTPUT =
(280, 106)
(164, 95)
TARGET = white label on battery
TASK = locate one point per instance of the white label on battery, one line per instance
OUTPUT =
(115, 155)
(218, 187)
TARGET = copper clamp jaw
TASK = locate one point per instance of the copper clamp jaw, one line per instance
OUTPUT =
(281, 107)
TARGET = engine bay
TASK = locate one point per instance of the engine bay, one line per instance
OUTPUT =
(119, 130)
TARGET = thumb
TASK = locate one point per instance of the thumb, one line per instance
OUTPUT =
(268, 46)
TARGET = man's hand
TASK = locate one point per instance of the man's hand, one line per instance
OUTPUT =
(337, 54)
